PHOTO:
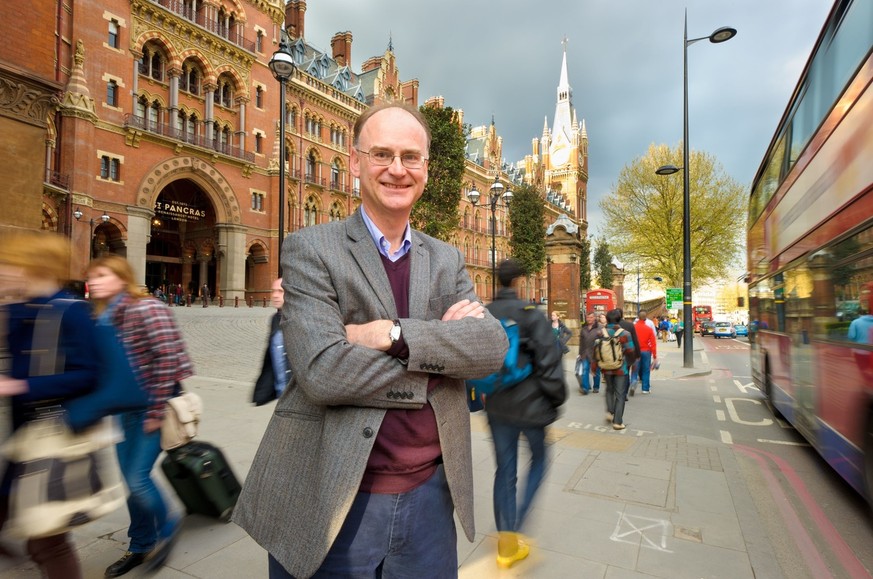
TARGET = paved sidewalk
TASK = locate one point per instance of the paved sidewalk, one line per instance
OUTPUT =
(614, 505)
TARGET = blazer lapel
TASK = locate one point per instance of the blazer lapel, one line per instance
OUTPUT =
(365, 253)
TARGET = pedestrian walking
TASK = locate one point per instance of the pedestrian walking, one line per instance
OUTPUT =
(584, 367)
(369, 448)
(648, 354)
(275, 370)
(204, 294)
(524, 409)
(561, 331)
(157, 352)
(634, 358)
(616, 379)
(33, 268)
(679, 329)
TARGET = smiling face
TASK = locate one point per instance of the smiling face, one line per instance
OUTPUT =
(388, 193)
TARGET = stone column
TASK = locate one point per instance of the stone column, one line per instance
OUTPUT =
(564, 252)
(232, 248)
(139, 233)
(210, 109)
(174, 74)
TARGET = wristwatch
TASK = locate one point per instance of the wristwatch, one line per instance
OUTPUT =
(394, 334)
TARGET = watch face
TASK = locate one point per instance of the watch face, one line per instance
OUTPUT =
(395, 333)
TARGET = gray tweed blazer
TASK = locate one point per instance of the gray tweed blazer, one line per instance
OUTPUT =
(311, 459)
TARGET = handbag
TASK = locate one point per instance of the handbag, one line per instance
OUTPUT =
(117, 390)
(61, 479)
(181, 420)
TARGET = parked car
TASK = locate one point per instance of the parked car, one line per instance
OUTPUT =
(706, 328)
(724, 330)
(741, 329)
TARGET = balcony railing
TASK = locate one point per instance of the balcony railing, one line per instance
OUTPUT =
(133, 121)
(60, 180)
(179, 7)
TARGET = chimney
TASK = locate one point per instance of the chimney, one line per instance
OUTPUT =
(295, 12)
(341, 46)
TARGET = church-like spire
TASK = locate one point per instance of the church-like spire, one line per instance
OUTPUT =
(390, 42)
(77, 98)
(564, 106)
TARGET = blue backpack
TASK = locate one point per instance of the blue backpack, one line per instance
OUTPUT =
(513, 371)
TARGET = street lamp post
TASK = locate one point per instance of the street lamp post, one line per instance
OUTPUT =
(282, 66)
(722, 34)
(496, 193)
(104, 218)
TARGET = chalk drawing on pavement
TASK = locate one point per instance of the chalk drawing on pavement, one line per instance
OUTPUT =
(649, 533)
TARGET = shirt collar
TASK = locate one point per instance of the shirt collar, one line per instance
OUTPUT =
(381, 243)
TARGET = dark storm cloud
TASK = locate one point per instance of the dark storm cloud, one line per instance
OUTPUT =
(624, 58)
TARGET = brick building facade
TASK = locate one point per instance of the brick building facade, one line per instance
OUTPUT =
(149, 128)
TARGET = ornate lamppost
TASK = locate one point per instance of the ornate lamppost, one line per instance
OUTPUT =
(496, 194)
(282, 66)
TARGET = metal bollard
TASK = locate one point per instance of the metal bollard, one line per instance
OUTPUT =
(188, 301)
(251, 301)
(236, 302)
(265, 302)
(221, 301)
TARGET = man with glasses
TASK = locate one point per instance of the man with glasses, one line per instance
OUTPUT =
(368, 453)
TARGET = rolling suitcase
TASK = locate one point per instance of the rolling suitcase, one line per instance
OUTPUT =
(202, 478)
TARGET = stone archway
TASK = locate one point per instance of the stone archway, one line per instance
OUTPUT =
(229, 235)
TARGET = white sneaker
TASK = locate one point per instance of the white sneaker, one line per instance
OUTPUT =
(609, 416)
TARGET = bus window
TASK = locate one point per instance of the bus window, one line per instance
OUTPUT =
(851, 275)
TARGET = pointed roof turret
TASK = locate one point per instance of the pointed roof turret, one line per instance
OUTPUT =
(77, 98)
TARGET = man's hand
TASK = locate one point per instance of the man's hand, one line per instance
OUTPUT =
(371, 335)
(464, 309)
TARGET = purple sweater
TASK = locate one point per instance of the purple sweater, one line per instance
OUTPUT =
(407, 449)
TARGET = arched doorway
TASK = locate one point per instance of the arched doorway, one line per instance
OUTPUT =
(181, 250)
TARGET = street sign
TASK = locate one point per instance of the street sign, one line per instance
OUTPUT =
(674, 298)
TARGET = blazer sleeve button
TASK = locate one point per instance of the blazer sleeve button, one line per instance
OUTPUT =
(368, 432)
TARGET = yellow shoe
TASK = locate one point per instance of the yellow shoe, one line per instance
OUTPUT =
(521, 552)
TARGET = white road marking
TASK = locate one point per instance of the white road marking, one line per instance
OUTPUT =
(732, 411)
(720, 415)
(628, 527)
(716, 399)
(744, 388)
(714, 388)
(783, 442)
(726, 437)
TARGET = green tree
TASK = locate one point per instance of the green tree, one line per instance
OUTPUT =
(436, 213)
(644, 216)
(585, 264)
(528, 240)
(603, 264)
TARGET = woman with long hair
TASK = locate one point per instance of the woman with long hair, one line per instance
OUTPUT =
(153, 343)
(33, 267)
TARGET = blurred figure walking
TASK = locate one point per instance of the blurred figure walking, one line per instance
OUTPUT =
(156, 349)
(526, 408)
(276, 369)
(33, 267)
(587, 334)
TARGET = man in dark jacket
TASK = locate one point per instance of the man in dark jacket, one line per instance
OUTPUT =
(630, 329)
(275, 371)
(526, 408)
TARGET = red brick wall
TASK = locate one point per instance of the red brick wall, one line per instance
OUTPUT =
(28, 33)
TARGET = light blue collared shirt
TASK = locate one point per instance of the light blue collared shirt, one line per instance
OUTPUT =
(382, 244)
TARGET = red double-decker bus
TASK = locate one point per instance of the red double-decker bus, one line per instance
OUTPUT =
(701, 314)
(810, 251)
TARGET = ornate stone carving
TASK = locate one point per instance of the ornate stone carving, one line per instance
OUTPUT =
(24, 101)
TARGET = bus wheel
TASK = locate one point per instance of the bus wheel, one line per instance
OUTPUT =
(768, 391)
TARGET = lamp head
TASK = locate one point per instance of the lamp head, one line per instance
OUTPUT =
(77, 214)
(282, 63)
(723, 34)
(507, 197)
(667, 170)
(496, 188)
(473, 195)
(104, 217)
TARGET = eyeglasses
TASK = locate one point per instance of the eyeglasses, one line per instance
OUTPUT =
(383, 158)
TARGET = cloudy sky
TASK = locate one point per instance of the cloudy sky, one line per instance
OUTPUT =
(624, 59)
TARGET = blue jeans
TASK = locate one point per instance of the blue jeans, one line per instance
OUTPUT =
(645, 370)
(586, 378)
(616, 390)
(409, 534)
(137, 454)
(509, 515)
